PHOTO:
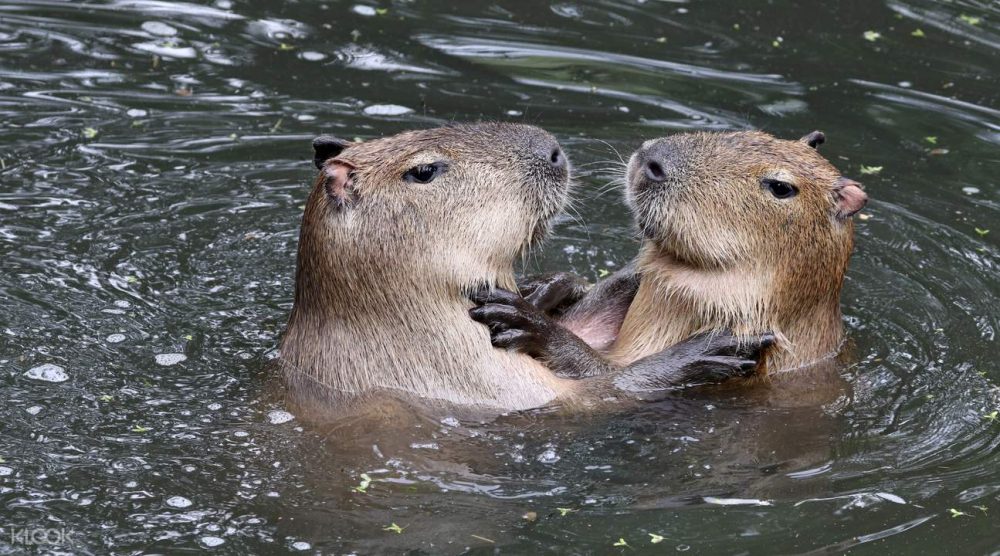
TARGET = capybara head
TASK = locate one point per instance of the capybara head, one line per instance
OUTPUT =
(718, 201)
(455, 204)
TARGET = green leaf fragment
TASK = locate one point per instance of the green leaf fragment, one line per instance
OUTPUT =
(919, 33)
(981, 508)
(188, 337)
(931, 139)
(872, 36)
(992, 416)
(395, 529)
(106, 398)
(602, 272)
(971, 20)
(982, 232)
(957, 513)
(564, 511)
(89, 132)
(286, 47)
(381, 11)
(655, 539)
(621, 542)
(140, 429)
(363, 486)
(870, 170)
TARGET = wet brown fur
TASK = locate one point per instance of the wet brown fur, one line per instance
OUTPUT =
(720, 252)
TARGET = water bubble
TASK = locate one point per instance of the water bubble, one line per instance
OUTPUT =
(301, 545)
(34, 410)
(450, 422)
(168, 359)
(136, 112)
(158, 29)
(47, 373)
(312, 56)
(215, 406)
(548, 456)
(425, 446)
(386, 110)
(970, 190)
(115, 338)
(212, 542)
(178, 502)
(364, 10)
(278, 417)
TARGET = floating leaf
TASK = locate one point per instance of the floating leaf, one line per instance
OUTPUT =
(491, 541)
(131, 279)
(919, 33)
(621, 542)
(2, 460)
(381, 11)
(140, 429)
(931, 139)
(655, 539)
(870, 170)
(602, 272)
(564, 511)
(363, 486)
(395, 529)
(992, 416)
(286, 47)
(872, 36)
(89, 132)
(106, 398)
(956, 513)
(982, 232)
(981, 508)
(661, 40)
(971, 20)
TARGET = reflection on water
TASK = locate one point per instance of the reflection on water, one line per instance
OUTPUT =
(155, 162)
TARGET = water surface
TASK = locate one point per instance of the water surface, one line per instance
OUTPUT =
(152, 174)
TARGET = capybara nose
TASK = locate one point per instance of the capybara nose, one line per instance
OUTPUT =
(549, 150)
(656, 162)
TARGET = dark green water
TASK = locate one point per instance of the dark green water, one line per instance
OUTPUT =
(154, 163)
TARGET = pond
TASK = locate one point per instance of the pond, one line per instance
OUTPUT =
(155, 160)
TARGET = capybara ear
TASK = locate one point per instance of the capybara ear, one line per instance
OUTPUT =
(814, 139)
(850, 197)
(339, 184)
(326, 147)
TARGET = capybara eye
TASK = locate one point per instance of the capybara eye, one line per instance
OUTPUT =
(780, 189)
(425, 173)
